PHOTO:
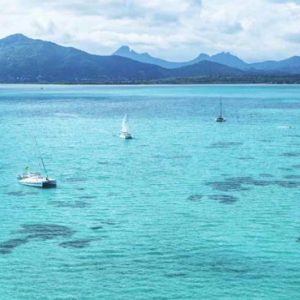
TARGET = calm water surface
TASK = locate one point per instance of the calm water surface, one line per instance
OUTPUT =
(189, 209)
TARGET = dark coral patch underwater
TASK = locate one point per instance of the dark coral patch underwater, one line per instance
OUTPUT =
(243, 183)
(45, 231)
(222, 198)
(33, 232)
(230, 184)
(8, 246)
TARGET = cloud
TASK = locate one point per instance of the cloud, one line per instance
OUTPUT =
(172, 29)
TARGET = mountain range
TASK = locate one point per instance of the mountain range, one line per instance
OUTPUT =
(26, 60)
(290, 65)
(221, 58)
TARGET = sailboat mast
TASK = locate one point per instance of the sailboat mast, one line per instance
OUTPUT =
(125, 127)
(41, 158)
(44, 167)
(221, 108)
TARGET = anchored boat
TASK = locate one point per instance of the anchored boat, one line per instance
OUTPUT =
(220, 118)
(35, 179)
(125, 129)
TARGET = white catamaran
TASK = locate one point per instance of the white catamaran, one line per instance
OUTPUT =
(125, 129)
(36, 179)
(220, 118)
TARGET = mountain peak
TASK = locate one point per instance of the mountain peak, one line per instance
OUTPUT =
(18, 37)
(123, 51)
(224, 54)
(227, 58)
(202, 56)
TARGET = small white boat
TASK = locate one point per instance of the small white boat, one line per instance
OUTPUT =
(220, 118)
(36, 180)
(125, 129)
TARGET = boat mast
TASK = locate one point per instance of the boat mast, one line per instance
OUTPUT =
(125, 127)
(41, 158)
(44, 166)
(221, 108)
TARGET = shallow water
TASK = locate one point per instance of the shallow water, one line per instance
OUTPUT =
(189, 209)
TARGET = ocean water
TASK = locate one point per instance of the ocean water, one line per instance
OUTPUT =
(189, 209)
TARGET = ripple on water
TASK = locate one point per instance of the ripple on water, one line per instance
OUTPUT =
(292, 176)
(87, 197)
(76, 244)
(226, 199)
(291, 154)
(97, 227)
(75, 179)
(222, 145)
(287, 183)
(99, 224)
(285, 169)
(20, 193)
(194, 197)
(71, 204)
(267, 175)
(175, 274)
(246, 158)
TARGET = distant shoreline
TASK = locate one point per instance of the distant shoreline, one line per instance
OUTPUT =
(295, 79)
(150, 84)
(234, 80)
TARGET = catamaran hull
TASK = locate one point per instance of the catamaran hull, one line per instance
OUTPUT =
(49, 185)
(43, 184)
(220, 120)
(126, 136)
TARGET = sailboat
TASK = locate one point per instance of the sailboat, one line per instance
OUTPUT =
(220, 118)
(36, 179)
(125, 129)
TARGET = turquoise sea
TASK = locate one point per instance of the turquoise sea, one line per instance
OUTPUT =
(189, 209)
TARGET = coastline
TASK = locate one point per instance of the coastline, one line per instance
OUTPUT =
(150, 84)
(270, 80)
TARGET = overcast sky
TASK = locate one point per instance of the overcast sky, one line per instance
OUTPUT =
(171, 29)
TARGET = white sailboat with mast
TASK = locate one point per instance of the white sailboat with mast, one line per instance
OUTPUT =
(125, 129)
(36, 179)
(220, 118)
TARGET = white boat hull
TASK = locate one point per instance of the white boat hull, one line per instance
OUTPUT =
(125, 136)
(38, 182)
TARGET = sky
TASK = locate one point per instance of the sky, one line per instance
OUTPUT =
(176, 30)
